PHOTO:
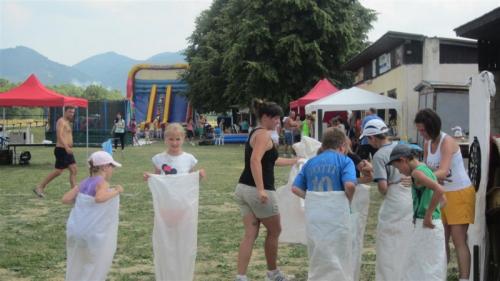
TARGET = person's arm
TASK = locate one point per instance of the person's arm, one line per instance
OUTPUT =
(348, 178)
(299, 186)
(349, 188)
(260, 142)
(286, 161)
(382, 186)
(380, 174)
(448, 147)
(366, 171)
(103, 193)
(60, 135)
(438, 192)
(426, 143)
(203, 174)
(299, 192)
(70, 196)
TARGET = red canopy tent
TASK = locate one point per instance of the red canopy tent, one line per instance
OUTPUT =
(322, 89)
(32, 93)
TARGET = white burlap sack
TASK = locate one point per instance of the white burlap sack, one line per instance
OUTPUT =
(175, 201)
(329, 236)
(293, 228)
(91, 235)
(359, 215)
(394, 230)
(426, 253)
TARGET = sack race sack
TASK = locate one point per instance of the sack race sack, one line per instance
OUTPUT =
(293, 227)
(426, 253)
(175, 202)
(394, 230)
(329, 236)
(359, 215)
(293, 223)
(91, 235)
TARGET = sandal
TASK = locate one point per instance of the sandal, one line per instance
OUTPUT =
(39, 194)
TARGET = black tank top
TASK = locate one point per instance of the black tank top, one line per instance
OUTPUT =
(268, 160)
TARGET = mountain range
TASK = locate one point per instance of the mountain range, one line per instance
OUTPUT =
(108, 69)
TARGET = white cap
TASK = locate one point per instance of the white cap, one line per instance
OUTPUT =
(374, 127)
(100, 158)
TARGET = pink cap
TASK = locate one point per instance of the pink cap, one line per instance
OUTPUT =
(100, 158)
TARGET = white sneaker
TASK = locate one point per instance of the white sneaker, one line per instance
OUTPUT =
(277, 276)
(241, 278)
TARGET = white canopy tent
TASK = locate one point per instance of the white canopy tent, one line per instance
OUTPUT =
(350, 99)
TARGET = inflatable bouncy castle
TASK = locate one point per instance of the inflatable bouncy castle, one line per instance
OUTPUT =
(156, 91)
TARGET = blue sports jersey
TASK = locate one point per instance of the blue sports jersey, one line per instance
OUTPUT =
(326, 172)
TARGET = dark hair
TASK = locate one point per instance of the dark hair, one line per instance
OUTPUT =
(372, 110)
(268, 108)
(382, 136)
(69, 107)
(430, 120)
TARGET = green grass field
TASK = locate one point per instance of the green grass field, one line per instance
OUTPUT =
(32, 230)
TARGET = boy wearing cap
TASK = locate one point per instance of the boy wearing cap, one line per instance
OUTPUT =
(395, 214)
(426, 253)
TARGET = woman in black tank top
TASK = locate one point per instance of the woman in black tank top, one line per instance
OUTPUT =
(255, 191)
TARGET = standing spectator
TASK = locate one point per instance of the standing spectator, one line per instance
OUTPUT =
(337, 124)
(442, 154)
(244, 126)
(63, 152)
(290, 126)
(119, 130)
(365, 149)
(133, 130)
(306, 126)
(255, 192)
(190, 130)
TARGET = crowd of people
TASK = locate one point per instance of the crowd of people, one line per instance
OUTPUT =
(425, 203)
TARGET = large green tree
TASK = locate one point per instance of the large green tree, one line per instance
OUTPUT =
(275, 49)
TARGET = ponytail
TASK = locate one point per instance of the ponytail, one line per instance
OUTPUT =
(261, 107)
(93, 169)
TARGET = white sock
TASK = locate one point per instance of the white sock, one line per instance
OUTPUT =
(241, 277)
(462, 279)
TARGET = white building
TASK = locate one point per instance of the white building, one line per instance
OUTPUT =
(397, 62)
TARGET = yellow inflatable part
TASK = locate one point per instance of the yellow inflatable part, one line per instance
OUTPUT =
(166, 110)
(152, 99)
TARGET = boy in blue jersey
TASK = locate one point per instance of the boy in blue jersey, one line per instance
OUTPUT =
(327, 183)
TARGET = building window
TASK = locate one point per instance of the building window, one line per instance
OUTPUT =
(393, 115)
(384, 63)
(398, 57)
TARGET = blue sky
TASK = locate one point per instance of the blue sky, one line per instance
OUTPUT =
(70, 31)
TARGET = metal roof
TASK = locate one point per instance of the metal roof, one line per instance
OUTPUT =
(486, 27)
(392, 39)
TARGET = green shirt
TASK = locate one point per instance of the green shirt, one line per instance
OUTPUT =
(305, 128)
(422, 196)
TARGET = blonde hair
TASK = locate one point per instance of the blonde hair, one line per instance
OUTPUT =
(174, 127)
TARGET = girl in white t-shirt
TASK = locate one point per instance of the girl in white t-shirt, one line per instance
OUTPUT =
(174, 160)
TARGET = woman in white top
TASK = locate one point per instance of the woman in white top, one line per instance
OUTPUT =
(442, 154)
